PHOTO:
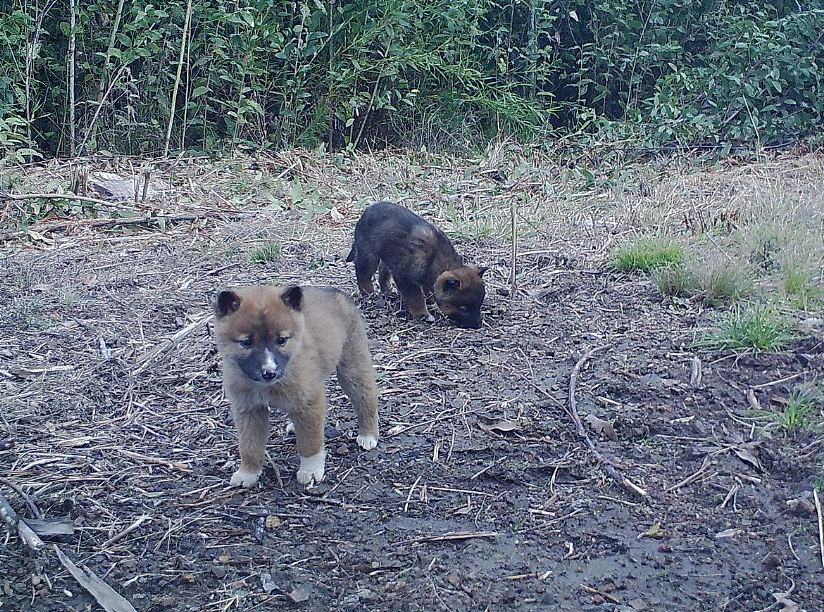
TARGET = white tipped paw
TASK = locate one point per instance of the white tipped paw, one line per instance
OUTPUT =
(290, 427)
(367, 441)
(311, 469)
(243, 478)
(430, 318)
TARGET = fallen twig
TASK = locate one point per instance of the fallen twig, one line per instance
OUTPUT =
(146, 360)
(125, 532)
(411, 490)
(60, 196)
(609, 597)
(105, 595)
(695, 372)
(777, 382)
(692, 477)
(35, 511)
(176, 465)
(573, 413)
(9, 516)
(457, 535)
(112, 222)
(820, 525)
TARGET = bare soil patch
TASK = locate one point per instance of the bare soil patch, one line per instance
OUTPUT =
(480, 495)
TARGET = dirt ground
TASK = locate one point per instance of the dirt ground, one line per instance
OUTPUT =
(480, 495)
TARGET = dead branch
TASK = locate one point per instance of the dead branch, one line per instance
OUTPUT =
(51, 529)
(105, 595)
(59, 196)
(607, 466)
(175, 465)
(35, 511)
(9, 516)
(692, 477)
(457, 535)
(109, 222)
(174, 340)
(695, 372)
(820, 524)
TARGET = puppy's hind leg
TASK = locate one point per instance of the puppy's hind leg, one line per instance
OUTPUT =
(253, 432)
(356, 376)
(365, 266)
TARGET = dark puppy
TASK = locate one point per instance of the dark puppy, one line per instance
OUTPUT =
(422, 261)
(278, 345)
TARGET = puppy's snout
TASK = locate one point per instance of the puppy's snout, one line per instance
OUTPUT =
(268, 372)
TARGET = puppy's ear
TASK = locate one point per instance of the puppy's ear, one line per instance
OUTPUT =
(293, 297)
(451, 284)
(227, 302)
(481, 270)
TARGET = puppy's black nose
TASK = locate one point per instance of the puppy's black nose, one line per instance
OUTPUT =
(474, 323)
(268, 373)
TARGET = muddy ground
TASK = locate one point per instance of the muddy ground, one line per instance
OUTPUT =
(480, 495)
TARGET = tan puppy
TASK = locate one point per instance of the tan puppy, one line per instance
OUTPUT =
(278, 345)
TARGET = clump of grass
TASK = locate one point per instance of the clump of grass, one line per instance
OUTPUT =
(756, 327)
(804, 409)
(721, 280)
(646, 255)
(677, 281)
(715, 280)
(802, 285)
(265, 254)
(796, 280)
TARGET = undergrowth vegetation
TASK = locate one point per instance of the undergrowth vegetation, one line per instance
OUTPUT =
(755, 327)
(802, 409)
(148, 78)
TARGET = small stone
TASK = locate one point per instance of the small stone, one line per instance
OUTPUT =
(652, 380)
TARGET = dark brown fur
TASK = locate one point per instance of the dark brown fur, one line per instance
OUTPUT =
(398, 243)
(278, 345)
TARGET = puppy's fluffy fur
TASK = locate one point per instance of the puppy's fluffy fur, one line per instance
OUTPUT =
(420, 257)
(278, 345)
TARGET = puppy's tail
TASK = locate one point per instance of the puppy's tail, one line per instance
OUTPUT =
(351, 256)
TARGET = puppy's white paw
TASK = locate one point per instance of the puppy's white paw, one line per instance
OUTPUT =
(242, 478)
(290, 427)
(312, 469)
(367, 442)
(430, 318)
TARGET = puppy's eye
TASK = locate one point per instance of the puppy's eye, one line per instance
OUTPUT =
(463, 310)
(246, 342)
(282, 340)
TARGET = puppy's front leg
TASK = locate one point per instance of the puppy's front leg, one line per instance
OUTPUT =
(253, 432)
(413, 296)
(309, 422)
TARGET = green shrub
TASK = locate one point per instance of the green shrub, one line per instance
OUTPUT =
(258, 73)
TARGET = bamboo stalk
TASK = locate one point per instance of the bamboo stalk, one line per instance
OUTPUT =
(183, 40)
(329, 74)
(71, 59)
(93, 124)
(31, 46)
(102, 90)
